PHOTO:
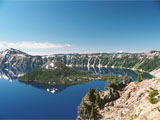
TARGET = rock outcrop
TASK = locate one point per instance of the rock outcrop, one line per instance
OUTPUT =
(108, 96)
(134, 103)
(137, 101)
(105, 98)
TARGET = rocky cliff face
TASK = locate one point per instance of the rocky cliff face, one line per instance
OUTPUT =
(13, 59)
(137, 101)
(93, 102)
(134, 103)
(146, 61)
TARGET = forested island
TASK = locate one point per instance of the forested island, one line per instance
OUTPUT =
(59, 75)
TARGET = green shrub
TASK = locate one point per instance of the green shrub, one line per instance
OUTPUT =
(152, 94)
(140, 77)
(158, 108)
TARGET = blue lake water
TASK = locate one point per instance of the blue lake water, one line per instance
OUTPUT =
(32, 101)
(22, 101)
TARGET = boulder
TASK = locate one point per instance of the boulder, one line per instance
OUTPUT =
(108, 95)
(82, 114)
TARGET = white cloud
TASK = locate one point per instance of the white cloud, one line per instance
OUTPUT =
(121, 51)
(32, 45)
(40, 53)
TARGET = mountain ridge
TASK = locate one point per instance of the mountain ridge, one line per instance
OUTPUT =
(147, 61)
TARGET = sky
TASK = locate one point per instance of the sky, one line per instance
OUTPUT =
(42, 27)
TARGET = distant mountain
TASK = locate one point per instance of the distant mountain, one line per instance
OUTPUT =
(12, 58)
(11, 51)
(149, 61)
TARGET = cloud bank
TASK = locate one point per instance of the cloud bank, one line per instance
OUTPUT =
(32, 45)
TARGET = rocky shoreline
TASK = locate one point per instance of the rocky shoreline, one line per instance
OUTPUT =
(132, 102)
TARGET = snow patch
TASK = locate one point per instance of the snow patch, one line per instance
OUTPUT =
(4, 53)
(51, 90)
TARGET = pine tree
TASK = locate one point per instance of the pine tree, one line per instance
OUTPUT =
(125, 79)
(83, 104)
(115, 80)
(97, 101)
(108, 80)
(92, 113)
(89, 94)
(140, 77)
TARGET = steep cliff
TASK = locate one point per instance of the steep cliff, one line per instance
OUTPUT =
(149, 61)
(15, 59)
(137, 101)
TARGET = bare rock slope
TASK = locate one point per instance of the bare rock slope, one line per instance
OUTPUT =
(134, 103)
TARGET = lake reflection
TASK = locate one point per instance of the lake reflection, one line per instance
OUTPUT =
(48, 88)
(111, 71)
(14, 73)
(21, 100)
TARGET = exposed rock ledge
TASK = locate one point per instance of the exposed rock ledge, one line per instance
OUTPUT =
(133, 103)
(156, 73)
